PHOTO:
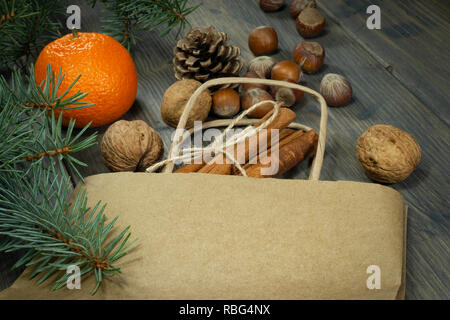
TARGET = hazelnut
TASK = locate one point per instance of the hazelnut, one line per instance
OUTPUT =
(286, 70)
(309, 55)
(263, 40)
(270, 5)
(262, 66)
(298, 5)
(226, 102)
(388, 154)
(289, 96)
(175, 99)
(310, 22)
(247, 86)
(131, 146)
(336, 90)
(252, 97)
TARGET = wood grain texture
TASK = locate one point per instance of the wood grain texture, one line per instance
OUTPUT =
(414, 100)
(412, 43)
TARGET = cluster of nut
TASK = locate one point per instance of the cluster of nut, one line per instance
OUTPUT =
(309, 55)
(336, 90)
(265, 67)
(264, 40)
(309, 20)
(228, 102)
(387, 154)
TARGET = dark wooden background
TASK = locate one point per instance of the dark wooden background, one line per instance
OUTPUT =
(400, 76)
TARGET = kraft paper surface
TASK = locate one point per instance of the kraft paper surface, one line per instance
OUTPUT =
(227, 237)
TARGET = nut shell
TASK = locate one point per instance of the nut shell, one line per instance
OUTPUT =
(263, 40)
(309, 55)
(253, 96)
(262, 66)
(247, 86)
(131, 146)
(286, 70)
(270, 5)
(226, 102)
(298, 5)
(175, 99)
(388, 154)
(289, 96)
(336, 90)
(310, 23)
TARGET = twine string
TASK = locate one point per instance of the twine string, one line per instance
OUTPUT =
(178, 138)
(220, 145)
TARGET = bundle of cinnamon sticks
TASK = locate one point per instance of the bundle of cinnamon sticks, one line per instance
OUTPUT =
(263, 157)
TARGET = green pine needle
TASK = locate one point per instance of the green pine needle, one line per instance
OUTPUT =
(25, 28)
(125, 18)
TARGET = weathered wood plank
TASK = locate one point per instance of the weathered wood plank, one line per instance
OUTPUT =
(412, 44)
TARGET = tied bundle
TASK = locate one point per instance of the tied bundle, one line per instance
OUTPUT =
(265, 148)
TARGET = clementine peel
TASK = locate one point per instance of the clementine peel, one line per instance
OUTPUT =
(107, 71)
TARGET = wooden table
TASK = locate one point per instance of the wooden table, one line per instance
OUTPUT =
(399, 74)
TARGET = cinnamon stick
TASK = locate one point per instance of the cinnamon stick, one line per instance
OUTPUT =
(191, 167)
(251, 149)
(284, 135)
(264, 155)
(295, 149)
(284, 118)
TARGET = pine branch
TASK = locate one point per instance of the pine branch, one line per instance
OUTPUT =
(126, 17)
(40, 136)
(35, 215)
(25, 27)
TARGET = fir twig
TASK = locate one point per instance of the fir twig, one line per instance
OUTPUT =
(126, 17)
(25, 27)
(35, 215)
(47, 135)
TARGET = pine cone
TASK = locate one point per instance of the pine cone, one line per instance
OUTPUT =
(204, 55)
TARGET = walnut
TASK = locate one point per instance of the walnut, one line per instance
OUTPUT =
(175, 99)
(131, 146)
(387, 154)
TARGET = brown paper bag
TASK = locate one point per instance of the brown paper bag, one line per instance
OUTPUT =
(226, 237)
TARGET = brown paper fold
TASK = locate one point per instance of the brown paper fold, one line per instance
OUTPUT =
(227, 237)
